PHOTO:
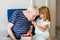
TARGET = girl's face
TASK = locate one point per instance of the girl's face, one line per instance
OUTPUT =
(42, 15)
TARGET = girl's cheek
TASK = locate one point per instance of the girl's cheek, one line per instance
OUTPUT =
(40, 15)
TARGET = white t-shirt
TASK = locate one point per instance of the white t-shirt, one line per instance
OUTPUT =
(41, 23)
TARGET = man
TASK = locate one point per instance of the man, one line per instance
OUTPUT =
(20, 22)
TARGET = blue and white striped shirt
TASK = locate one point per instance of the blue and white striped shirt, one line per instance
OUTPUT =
(21, 23)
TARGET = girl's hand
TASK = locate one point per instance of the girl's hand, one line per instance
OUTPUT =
(34, 23)
(26, 35)
(29, 34)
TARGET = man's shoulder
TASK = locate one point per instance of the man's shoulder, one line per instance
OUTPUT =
(17, 12)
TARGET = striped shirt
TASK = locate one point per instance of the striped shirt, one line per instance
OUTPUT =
(21, 23)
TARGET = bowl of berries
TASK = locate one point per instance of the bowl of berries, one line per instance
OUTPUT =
(26, 37)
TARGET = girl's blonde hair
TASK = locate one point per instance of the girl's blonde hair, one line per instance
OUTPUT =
(45, 10)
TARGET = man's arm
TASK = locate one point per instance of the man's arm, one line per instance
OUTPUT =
(10, 25)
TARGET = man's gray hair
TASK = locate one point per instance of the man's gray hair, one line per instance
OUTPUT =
(34, 9)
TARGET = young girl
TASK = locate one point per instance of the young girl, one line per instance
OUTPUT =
(42, 24)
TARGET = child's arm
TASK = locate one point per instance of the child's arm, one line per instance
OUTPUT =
(42, 28)
(30, 30)
(39, 27)
(29, 33)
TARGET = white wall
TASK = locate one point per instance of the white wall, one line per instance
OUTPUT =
(9, 4)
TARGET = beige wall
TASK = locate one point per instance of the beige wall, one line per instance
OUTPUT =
(52, 6)
(40, 3)
(58, 13)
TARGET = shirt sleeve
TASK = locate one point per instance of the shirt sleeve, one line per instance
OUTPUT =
(13, 17)
(47, 23)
